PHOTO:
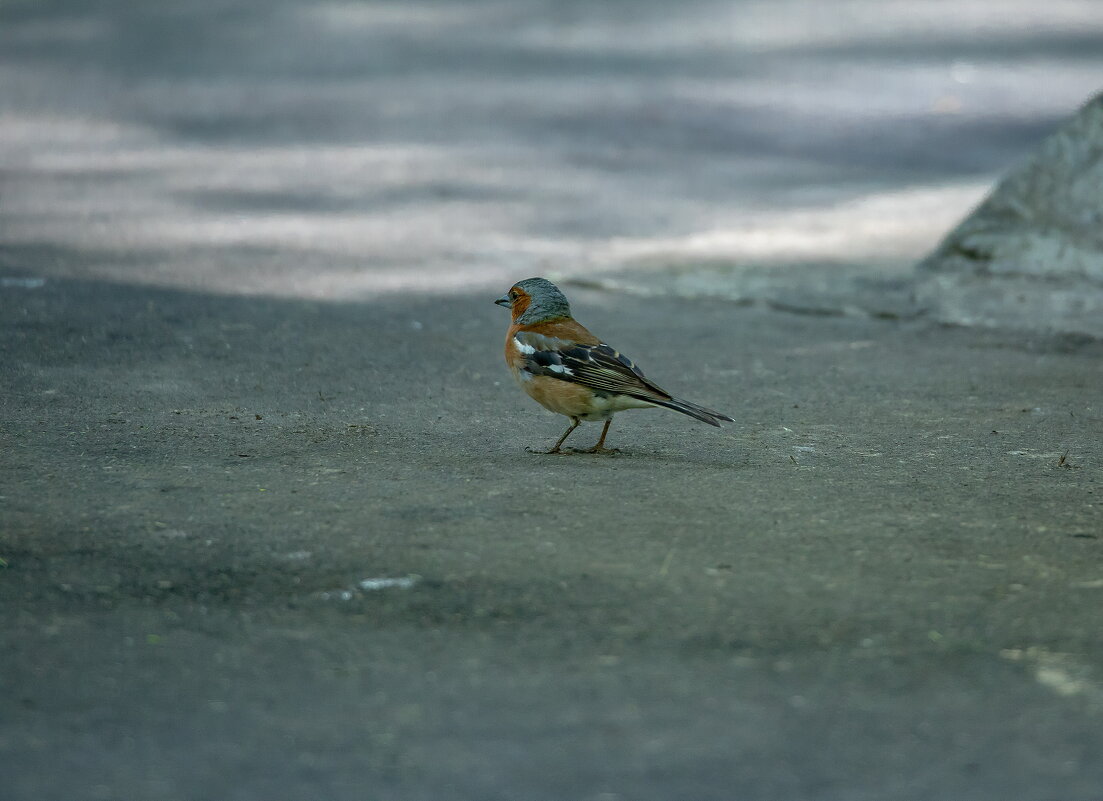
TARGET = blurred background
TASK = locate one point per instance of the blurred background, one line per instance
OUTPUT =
(342, 149)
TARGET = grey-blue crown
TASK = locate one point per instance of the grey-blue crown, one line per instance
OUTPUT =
(548, 303)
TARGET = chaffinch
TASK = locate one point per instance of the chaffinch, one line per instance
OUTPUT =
(569, 371)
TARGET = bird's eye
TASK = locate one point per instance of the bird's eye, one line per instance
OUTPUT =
(513, 294)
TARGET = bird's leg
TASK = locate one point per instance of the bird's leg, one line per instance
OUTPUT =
(600, 447)
(575, 421)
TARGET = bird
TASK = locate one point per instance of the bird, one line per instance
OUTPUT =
(569, 371)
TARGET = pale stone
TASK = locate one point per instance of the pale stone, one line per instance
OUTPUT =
(1031, 255)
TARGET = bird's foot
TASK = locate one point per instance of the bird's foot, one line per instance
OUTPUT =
(556, 449)
(600, 449)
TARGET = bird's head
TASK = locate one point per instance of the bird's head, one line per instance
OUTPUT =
(535, 300)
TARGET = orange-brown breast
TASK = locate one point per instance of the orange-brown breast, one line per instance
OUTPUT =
(561, 397)
(514, 358)
(554, 394)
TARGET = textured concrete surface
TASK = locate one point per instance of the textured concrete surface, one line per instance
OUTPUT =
(267, 521)
(883, 581)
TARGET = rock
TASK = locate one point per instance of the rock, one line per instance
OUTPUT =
(1031, 255)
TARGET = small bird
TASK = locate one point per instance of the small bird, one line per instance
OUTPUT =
(569, 371)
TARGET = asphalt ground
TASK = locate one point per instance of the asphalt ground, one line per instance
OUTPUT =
(882, 581)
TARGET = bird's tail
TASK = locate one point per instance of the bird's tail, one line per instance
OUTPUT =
(693, 410)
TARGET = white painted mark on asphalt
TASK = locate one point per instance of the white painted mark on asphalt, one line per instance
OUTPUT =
(403, 582)
(1064, 674)
(23, 283)
(297, 556)
(1060, 681)
(172, 533)
(370, 585)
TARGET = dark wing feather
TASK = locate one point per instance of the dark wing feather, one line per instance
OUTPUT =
(602, 369)
(599, 367)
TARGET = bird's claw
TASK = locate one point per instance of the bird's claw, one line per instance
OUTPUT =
(564, 451)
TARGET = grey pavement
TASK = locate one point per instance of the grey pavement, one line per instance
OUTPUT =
(268, 523)
(881, 582)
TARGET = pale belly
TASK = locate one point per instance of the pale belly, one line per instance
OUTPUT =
(575, 400)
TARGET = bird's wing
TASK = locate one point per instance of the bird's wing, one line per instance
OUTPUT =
(598, 367)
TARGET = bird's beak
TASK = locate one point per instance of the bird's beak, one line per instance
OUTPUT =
(503, 301)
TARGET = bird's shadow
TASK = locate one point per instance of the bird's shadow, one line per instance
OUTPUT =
(643, 456)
